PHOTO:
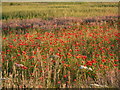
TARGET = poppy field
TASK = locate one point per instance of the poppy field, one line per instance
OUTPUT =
(61, 52)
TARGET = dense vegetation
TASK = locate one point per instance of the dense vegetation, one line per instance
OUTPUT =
(56, 45)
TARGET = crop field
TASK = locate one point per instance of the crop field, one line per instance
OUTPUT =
(60, 45)
(48, 10)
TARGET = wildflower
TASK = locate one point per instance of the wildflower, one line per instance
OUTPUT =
(59, 82)
(66, 65)
(21, 66)
(81, 56)
(84, 67)
(89, 63)
(70, 50)
(116, 60)
(53, 61)
(115, 64)
(74, 80)
(103, 60)
(63, 61)
(18, 54)
(65, 76)
(3, 79)
(51, 50)
(4, 38)
(23, 52)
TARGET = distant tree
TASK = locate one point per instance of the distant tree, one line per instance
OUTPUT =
(14, 4)
(11, 4)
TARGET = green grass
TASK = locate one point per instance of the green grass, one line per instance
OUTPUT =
(45, 10)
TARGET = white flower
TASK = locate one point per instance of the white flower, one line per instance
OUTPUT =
(19, 65)
(84, 67)
(2, 78)
(90, 69)
(97, 85)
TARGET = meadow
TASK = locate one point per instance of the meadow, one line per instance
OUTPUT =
(60, 45)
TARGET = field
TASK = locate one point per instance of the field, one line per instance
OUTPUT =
(60, 45)
(48, 10)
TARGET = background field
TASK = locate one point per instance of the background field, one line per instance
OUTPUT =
(60, 45)
(46, 10)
